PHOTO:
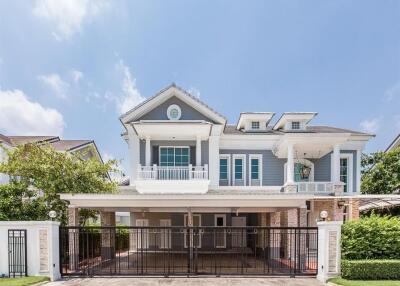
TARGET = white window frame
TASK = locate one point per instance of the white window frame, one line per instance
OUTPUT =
(159, 154)
(185, 216)
(228, 157)
(142, 233)
(243, 157)
(260, 167)
(166, 233)
(223, 216)
(349, 157)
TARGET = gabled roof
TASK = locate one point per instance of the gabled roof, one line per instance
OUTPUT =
(20, 140)
(395, 143)
(163, 95)
(307, 116)
(69, 145)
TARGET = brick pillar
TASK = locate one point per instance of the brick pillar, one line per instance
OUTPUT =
(354, 209)
(132, 233)
(107, 236)
(73, 238)
(292, 221)
(275, 236)
(304, 239)
(262, 234)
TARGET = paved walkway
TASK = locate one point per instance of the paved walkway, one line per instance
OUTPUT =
(197, 281)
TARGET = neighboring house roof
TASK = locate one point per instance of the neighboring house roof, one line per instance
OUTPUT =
(20, 140)
(395, 143)
(231, 129)
(69, 145)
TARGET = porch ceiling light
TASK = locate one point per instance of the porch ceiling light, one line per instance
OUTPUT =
(305, 172)
(52, 214)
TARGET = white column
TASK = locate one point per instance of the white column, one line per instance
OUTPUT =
(198, 151)
(213, 160)
(358, 172)
(336, 164)
(134, 154)
(290, 165)
(328, 249)
(147, 154)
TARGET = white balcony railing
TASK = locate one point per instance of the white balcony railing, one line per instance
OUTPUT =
(173, 173)
(314, 187)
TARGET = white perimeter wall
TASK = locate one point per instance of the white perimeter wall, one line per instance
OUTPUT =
(42, 247)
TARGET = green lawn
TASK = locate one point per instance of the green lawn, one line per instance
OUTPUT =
(345, 282)
(23, 281)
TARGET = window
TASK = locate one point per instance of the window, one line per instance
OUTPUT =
(344, 173)
(255, 167)
(239, 170)
(174, 112)
(174, 156)
(255, 125)
(223, 168)
(295, 125)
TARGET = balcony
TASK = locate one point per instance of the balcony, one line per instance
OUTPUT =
(315, 187)
(172, 179)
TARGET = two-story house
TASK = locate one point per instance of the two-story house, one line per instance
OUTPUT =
(190, 167)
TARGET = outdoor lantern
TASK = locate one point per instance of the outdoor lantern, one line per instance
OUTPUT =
(305, 172)
(52, 214)
(323, 215)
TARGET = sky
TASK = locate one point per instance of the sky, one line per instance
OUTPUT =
(70, 67)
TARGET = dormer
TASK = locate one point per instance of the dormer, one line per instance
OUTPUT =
(254, 121)
(294, 121)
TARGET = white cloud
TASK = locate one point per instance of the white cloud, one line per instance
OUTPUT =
(392, 92)
(21, 116)
(76, 75)
(130, 94)
(55, 83)
(194, 91)
(67, 16)
(370, 125)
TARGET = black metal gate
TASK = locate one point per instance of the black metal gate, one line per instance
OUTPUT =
(17, 254)
(170, 251)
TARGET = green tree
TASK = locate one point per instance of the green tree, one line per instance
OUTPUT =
(40, 173)
(381, 172)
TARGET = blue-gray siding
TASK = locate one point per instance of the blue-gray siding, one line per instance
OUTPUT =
(188, 112)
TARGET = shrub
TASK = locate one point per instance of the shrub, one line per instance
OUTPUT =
(371, 237)
(371, 269)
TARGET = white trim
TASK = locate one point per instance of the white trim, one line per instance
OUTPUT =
(349, 157)
(358, 172)
(260, 168)
(243, 157)
(174, 106)
(142, 233)
(228, 157)
(223, 216)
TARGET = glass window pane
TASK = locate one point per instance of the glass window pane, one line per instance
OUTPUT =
(239, 169)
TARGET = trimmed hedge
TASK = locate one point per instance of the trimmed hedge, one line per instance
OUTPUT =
(371, 269)
(373, 237)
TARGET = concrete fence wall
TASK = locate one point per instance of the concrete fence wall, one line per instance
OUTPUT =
(42, 239)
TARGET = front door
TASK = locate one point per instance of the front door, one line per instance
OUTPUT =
(165, 234)
(239, 235)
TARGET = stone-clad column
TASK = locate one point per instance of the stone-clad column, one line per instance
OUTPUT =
(107, 236)
(73, 238)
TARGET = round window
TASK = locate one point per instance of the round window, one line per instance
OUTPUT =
(174, 112)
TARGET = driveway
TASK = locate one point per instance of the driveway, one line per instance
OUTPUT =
(196, 281)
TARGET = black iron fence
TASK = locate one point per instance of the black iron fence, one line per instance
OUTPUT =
(165, 251)
(17, 253)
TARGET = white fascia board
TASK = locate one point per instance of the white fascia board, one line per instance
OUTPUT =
(254, 142)
(286, 116)
(165, 95)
